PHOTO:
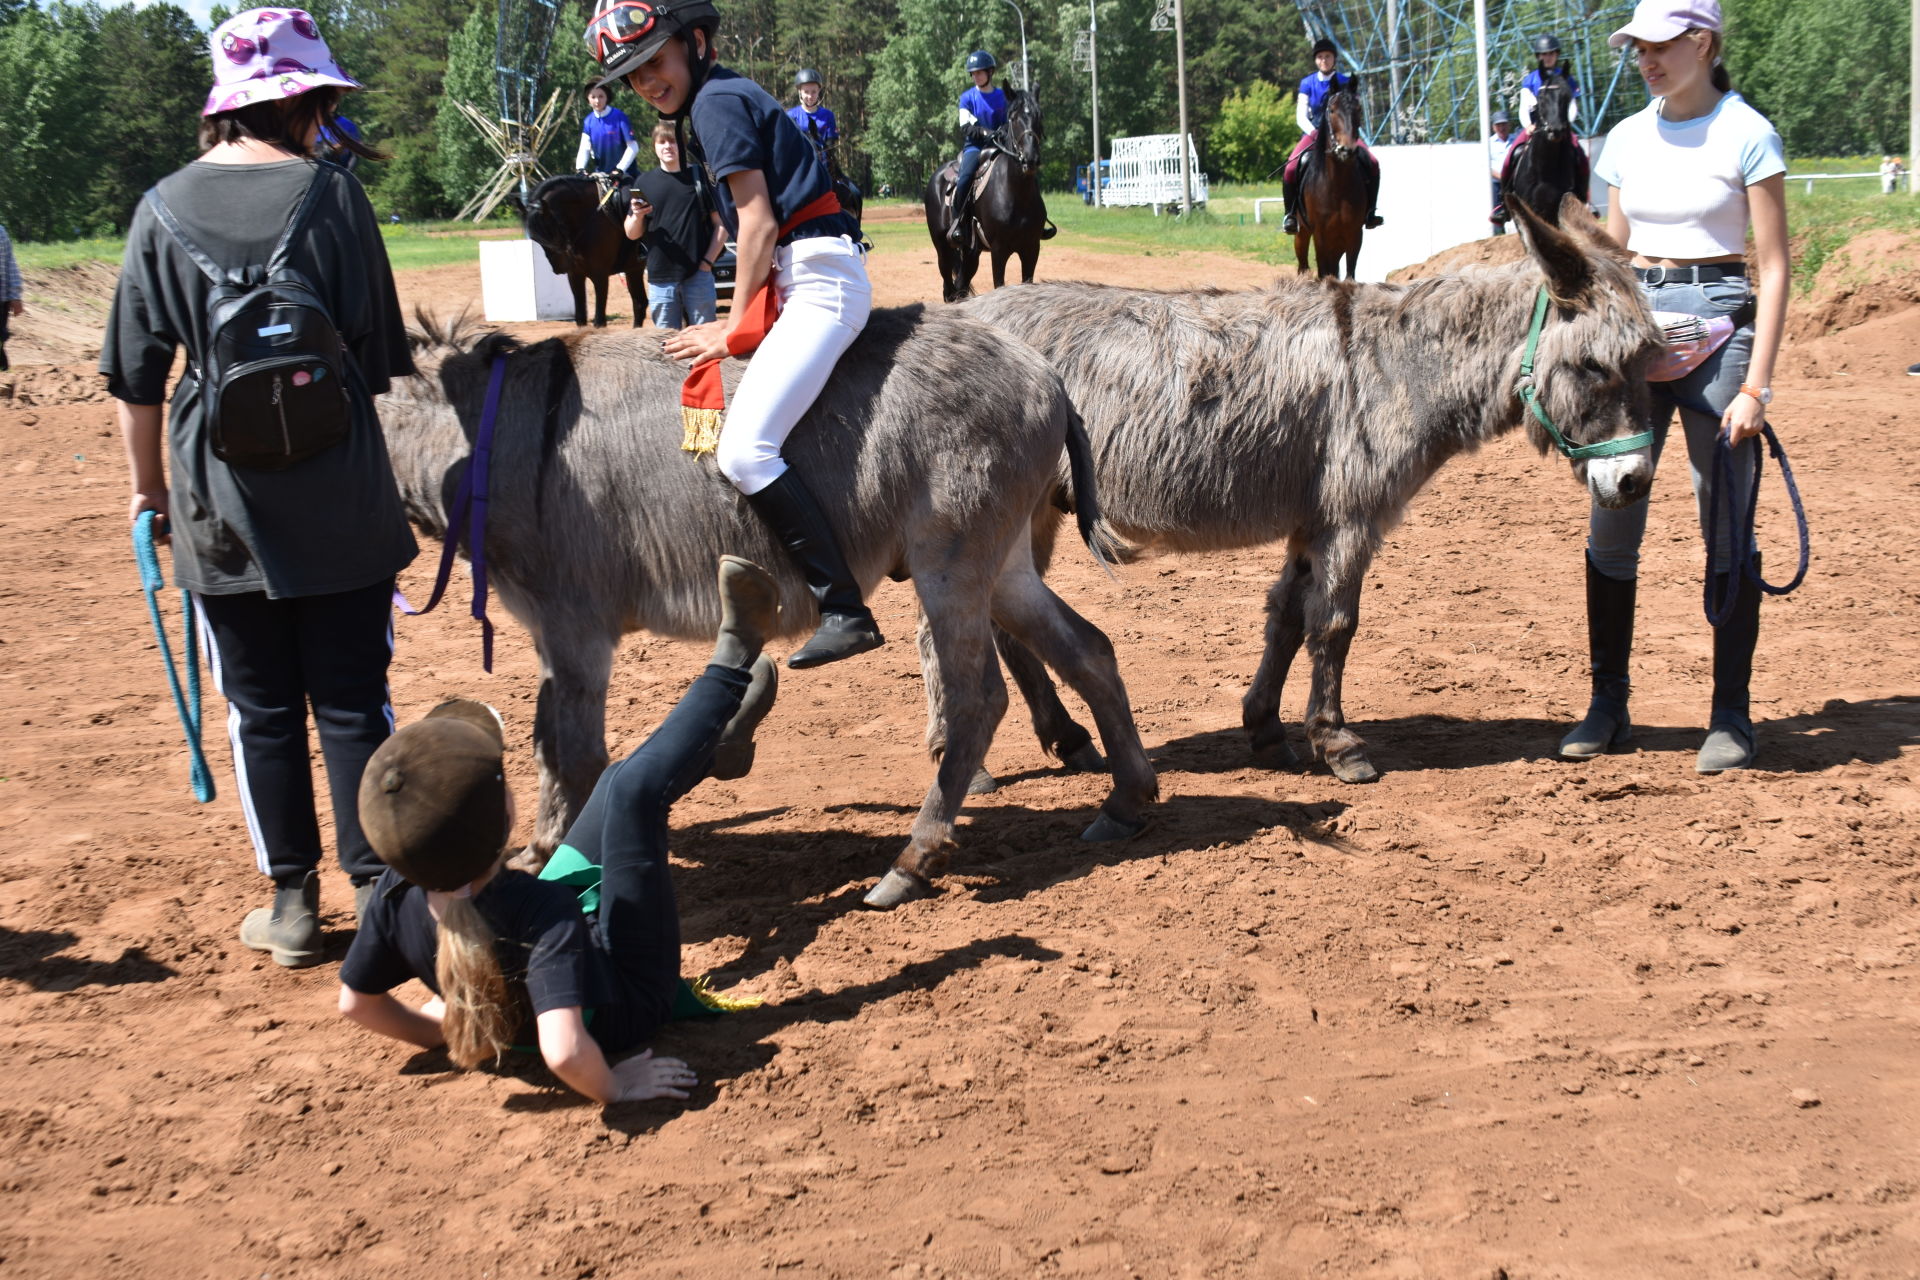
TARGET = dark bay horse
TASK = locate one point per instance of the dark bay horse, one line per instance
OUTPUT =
(583, 236)
(1336, 190)
(1009, 214)
(1310, 413)
(1547, 162)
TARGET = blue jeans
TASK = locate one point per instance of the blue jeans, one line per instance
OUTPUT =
(623, 829)
(1613, 537)
(675, 304)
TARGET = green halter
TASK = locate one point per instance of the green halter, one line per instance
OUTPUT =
(1530, 396)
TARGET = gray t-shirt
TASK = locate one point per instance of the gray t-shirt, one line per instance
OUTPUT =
(333, 522)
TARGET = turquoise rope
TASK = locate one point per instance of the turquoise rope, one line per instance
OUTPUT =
(187, 703)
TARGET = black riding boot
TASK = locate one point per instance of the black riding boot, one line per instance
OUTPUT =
(1373, 195)
(1730, 742)
(1609, 645)
(846, 624)
(1290, 204)
(958, 229)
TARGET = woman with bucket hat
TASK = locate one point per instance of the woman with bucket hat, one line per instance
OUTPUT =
(291, 558)
(584, 961)
(801, 293)
(1687, 178)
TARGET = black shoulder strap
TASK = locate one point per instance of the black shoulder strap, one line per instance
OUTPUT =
(207, 266)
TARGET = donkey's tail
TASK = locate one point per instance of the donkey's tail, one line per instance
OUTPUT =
(1084, 501)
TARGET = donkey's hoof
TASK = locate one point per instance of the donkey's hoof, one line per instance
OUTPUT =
(896, 887)
(1085, 758)
(983, 783)
(1107, 828)
(1269, 742)
(1353, 768)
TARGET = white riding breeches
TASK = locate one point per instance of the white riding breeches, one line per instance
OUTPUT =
(825, 298)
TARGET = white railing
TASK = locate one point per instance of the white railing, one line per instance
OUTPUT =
(1811, 178)
(1146, 170)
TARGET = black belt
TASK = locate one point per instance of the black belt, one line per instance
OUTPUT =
(1705, 273)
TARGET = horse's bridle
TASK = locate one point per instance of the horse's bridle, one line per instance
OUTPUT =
(1530, 396)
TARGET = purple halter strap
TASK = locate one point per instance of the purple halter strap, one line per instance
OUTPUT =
(470, 508)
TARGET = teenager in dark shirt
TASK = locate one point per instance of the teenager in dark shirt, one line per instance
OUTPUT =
(511, 959)
(293, 568)
(796, 246)
(684, 238)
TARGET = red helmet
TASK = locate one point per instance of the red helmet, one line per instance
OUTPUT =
(625, 33)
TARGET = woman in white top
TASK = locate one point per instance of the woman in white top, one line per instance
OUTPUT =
(1686, 178)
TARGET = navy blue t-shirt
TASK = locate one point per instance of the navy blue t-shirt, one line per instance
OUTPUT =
(545, 946)
(738, 126)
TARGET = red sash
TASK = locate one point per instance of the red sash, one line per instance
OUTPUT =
(703, 401)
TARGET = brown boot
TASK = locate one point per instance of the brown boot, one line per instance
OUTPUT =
(290, 929)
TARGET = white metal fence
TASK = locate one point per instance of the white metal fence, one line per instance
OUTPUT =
(1146, 170)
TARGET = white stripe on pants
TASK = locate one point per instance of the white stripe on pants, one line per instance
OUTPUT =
(825, 298)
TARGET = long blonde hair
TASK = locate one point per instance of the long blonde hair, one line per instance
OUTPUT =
(476, 1021)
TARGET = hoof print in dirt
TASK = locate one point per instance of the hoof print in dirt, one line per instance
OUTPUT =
(1106, 828)
(895, 888)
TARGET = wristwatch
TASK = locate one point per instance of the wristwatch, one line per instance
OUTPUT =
(1763, 394)
(707, 263)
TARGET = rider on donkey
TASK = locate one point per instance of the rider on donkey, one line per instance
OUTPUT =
(983, 108)
(801, 271)
(1310, 109)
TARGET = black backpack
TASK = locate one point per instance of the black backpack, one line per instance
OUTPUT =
(274, 372)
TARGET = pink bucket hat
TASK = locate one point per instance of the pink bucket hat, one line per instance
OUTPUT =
(1658, 21)
(264, 55)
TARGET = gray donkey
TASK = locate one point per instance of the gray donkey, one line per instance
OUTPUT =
(1311, 413)
(599, 524)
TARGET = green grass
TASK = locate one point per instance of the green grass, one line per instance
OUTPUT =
(68, 253)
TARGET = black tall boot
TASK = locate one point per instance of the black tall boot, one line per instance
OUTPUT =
(1610, 645)
(1730, 742)
(846, 624)
(1290, 203)
(1373, 196)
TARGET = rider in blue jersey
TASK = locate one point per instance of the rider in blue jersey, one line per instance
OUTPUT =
(811, 117)
(607, 143)
(983, 108)
(1546, 51)
(1310, 110)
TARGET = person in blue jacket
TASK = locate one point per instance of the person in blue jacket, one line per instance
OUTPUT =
(811, 116)
(983, 108)
(607, 144)
(1310, 110)
(1546, 52)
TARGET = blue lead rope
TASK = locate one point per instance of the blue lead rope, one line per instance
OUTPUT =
(187, 703)
(1742, 552)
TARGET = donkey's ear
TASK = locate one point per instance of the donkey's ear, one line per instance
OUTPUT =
(1562, 258)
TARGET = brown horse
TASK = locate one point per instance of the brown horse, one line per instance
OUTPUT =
(1336, 189)
(584, 238)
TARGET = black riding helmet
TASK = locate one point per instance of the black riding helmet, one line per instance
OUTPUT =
(625, 33)
(980, 60)
(1324, 45)
(807, 76)
(1546, 44)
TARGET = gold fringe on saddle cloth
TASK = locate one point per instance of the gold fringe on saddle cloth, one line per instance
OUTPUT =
(703, 401)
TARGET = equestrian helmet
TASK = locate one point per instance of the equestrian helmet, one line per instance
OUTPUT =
(980, 60)
(1324, 45)
(625, 33)
(807, 76)
(1546, 44)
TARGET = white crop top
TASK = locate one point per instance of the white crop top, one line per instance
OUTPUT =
(1683, 187)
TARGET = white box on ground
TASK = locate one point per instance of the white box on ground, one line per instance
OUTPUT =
(517, 284)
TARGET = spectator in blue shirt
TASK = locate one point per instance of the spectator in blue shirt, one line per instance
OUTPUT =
(983, 109)
(10, 292)
(333, 145)
(606, 139)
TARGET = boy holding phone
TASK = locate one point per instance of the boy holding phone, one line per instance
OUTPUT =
(683, 236)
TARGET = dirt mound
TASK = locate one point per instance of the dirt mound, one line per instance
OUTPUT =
(1872, 275)
(1493, 251)
(66, 314)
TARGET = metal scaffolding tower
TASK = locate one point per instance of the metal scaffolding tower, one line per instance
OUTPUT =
(522, 42)
(1417, 67)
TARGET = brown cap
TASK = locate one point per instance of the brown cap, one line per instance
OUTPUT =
(433, 799)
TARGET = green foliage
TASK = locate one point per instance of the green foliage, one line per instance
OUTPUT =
(45, 120)
(147, 62)
(1831, 76)
(1254, 132)
(462, 160)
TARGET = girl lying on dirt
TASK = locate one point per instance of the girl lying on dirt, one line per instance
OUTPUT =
(501, 949)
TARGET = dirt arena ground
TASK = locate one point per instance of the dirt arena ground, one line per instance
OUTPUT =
(1494, 1016)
